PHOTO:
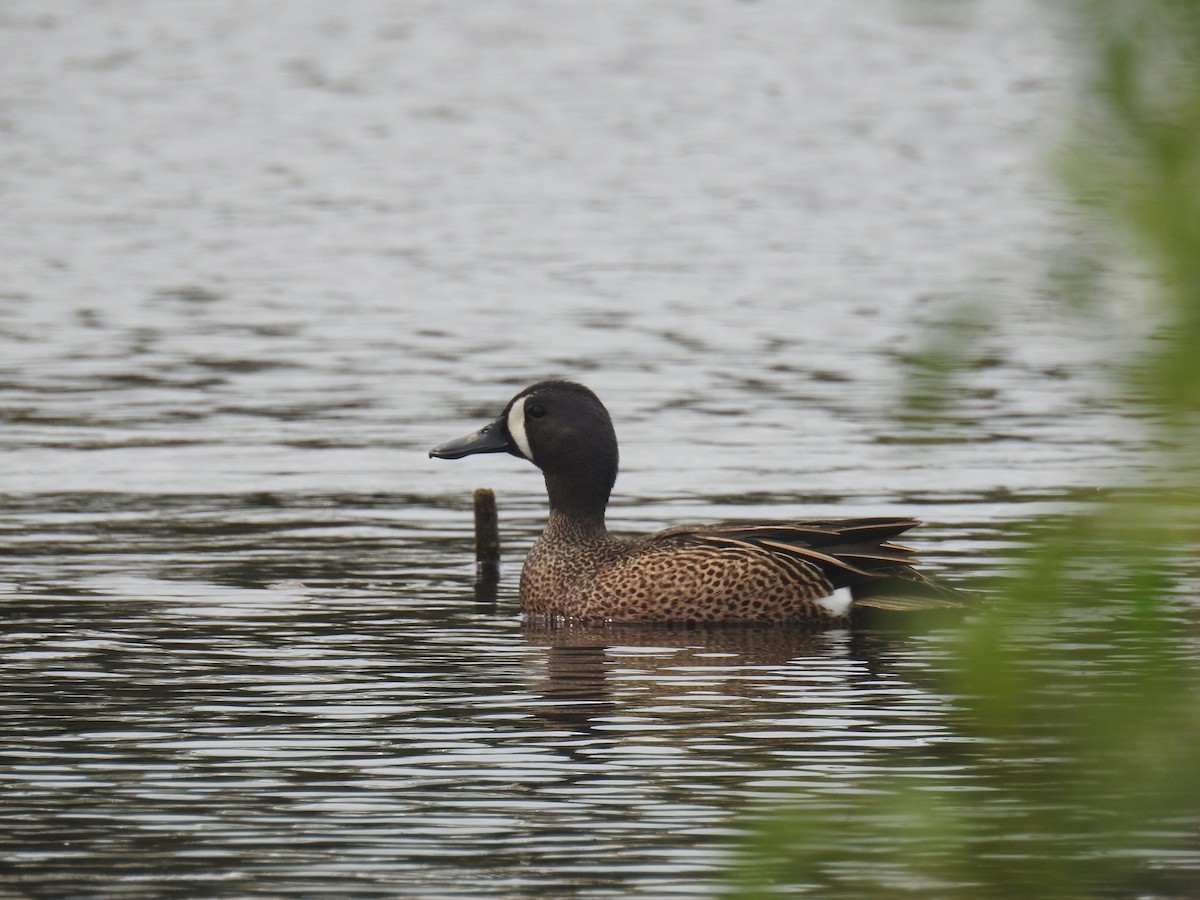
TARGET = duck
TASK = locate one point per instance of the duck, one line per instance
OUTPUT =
(819, 572)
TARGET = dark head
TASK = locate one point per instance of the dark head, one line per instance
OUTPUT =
(563, 429)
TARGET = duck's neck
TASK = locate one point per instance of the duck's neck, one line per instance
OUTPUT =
(576, 506)
(564, 529)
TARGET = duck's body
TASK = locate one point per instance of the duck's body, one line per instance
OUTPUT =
(735, 571)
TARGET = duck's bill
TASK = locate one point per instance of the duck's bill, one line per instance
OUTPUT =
(491, 438)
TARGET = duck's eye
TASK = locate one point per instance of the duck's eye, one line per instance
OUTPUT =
(536, 411)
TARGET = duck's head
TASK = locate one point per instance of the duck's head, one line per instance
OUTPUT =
(563, 429)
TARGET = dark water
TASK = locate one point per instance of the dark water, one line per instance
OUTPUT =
(257, 259)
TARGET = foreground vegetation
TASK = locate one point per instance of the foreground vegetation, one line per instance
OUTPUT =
(1110, 803)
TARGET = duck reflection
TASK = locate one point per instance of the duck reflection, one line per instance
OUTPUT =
(583, 662)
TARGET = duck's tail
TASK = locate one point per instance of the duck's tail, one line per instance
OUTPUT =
(907, 590)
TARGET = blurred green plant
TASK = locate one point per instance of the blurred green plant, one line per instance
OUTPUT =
(1084, 755)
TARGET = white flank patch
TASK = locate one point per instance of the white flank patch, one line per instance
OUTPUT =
(838, 602)
(516, 428)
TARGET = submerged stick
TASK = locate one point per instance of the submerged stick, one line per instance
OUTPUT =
(487, 532)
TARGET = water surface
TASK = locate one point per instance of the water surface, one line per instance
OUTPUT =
(257, 260)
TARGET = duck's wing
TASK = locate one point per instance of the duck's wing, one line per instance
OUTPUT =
(855, 553)
(846, 551)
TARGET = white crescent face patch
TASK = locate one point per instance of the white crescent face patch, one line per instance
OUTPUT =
(516, 427)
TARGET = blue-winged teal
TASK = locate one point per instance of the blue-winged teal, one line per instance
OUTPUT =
(733, 571)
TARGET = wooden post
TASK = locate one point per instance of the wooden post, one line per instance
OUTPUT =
(487, 532)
